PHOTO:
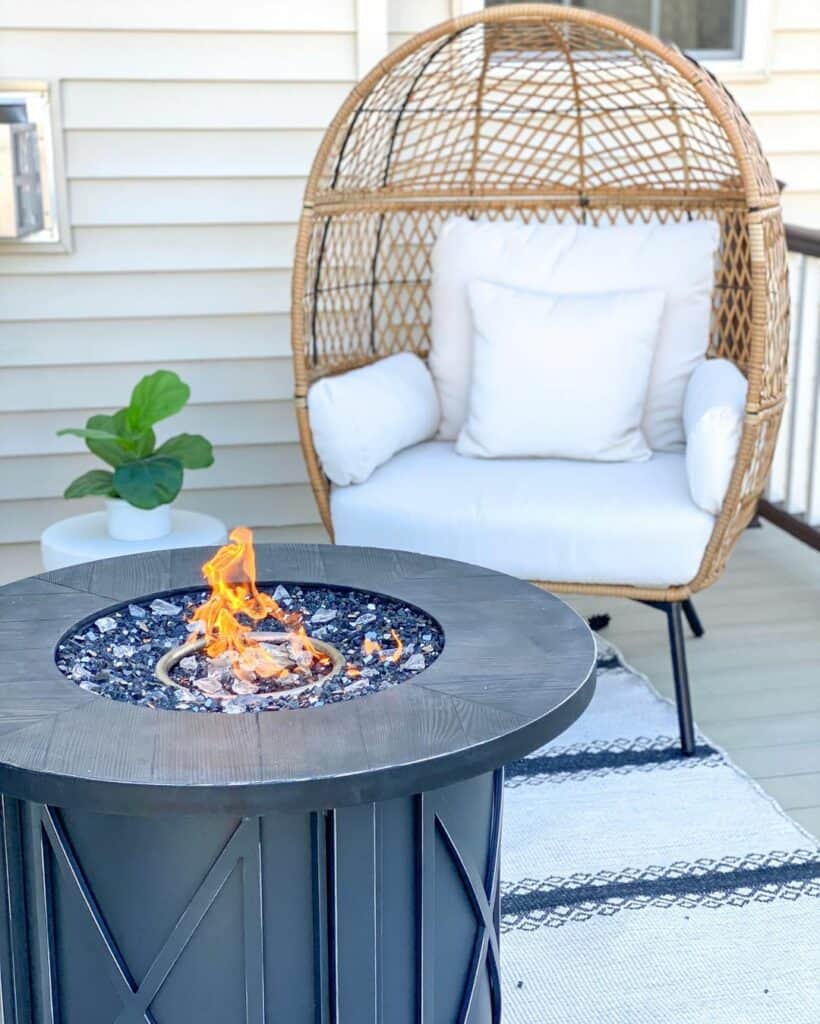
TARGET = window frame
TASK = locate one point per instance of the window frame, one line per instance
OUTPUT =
(750, 62)
(42, 102)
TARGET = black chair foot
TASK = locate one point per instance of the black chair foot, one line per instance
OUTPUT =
(692, 618)
(683, 698)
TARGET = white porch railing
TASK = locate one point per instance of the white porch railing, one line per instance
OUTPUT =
(792, 499)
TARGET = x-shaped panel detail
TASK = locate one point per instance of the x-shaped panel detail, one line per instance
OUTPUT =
(483, 896)
(243, 847)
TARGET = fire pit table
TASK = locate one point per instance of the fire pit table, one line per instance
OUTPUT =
(215, 849)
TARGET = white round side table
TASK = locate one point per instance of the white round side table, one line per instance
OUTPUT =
(85, 538)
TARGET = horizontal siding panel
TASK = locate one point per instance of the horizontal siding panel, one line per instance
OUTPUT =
(24, 521)
(190, 247)
(35, 433)
(415, 17)
(798, 170)
(68, 296)
(197, 154)
(241, 466)
(802, 209)
(780, 93)
(186, 201)
(797, 14)
(787, 133)
(187, 56)
(18, 561)
(188, 15)
(149, 104)
(143, 339)
(796, 51)
(80, 387)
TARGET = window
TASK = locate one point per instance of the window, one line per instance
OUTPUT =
(707, 29)
(33, 205)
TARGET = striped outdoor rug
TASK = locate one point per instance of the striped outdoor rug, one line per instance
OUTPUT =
(639, 887)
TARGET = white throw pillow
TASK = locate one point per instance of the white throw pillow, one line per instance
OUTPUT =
(361, 418)
(560, 376)
(677, 259)
(713, 415)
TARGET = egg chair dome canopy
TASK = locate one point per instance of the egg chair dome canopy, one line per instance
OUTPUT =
(549, 113)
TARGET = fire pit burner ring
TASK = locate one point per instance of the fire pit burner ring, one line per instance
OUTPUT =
(170, 660)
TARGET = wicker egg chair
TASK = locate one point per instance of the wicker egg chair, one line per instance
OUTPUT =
(552, 113)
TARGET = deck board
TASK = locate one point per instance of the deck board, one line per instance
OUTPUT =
(755, 675)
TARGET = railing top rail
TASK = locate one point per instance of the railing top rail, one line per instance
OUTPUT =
(803, 240)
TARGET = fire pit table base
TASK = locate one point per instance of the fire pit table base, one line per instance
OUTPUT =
(335, 863)
(375, 912)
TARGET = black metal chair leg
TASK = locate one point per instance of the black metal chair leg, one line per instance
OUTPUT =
(683, 699)
(693, 618)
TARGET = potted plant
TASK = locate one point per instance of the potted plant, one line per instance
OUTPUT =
(144, 478)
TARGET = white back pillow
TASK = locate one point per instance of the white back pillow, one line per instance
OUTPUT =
(560, 376)
(677, 259)
(361, 418)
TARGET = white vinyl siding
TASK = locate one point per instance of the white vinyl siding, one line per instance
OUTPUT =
(189, 130)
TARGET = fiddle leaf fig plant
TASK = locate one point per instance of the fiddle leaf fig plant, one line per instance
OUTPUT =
(141, 473)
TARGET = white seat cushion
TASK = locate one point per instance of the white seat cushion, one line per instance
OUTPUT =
(541, 519)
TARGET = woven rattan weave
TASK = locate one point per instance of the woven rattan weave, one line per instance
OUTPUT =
(557, 114)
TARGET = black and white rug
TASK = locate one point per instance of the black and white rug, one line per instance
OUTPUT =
(639, 887)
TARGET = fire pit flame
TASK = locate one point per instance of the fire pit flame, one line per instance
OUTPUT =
(231, 574)
(388, 657)
(247, 646)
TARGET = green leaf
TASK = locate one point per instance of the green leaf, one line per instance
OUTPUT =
(138, 445)
(112, 452)
(150, 482)
(155, 397)
(95, 481)
(92, 433)
(192, 450)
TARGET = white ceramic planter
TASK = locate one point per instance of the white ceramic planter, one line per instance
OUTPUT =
(124, 522)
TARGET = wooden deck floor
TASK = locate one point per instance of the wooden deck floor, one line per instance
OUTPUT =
(755, 675)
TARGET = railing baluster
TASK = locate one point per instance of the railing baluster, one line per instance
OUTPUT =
(805, 387)
(813, 487)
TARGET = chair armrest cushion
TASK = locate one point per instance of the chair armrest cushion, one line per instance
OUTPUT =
(713, 412)
(361, 418)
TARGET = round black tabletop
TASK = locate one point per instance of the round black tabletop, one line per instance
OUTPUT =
(518, 667)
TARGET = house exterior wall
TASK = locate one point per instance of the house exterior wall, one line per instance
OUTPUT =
(188, 130)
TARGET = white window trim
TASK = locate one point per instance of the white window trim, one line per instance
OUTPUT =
(56, 236)
(758, 32)
(371, 34)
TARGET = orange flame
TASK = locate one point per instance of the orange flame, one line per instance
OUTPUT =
(231, 574)
(394, 657)
(374, 647)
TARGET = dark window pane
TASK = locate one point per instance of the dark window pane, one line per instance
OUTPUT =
(699, 24)
(635, 12)
(691, 24)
